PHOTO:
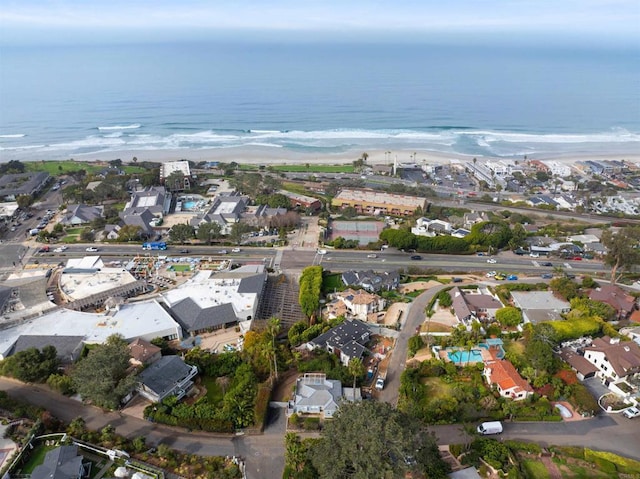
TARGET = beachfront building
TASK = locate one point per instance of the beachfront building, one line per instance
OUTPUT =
(372, 202)
(210, 301)
(557, 168)
(181, 175)
(145, 208)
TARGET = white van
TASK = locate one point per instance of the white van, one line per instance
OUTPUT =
(491, 427)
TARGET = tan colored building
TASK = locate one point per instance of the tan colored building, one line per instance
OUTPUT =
(373, 202)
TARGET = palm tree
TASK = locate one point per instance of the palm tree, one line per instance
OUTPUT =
(356, 369)
(273, 328)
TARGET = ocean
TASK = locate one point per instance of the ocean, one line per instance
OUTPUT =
(482, 99)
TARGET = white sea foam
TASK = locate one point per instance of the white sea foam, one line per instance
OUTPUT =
(133, 126)
(17, 135)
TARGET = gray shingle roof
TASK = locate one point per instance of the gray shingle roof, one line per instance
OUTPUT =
(252, 284)
(162, 376)
(67, 347)
(341, 335)
(194, 318)
(60, 463)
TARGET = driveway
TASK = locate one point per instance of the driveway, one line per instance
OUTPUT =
(595, 387)
(414, 316)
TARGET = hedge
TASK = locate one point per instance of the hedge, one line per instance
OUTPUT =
(262, 404)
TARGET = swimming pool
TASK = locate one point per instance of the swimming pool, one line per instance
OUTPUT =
(189, 205)
(464, 357)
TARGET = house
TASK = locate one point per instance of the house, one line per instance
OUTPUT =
(140, 217)
(169, 375)
(473, 305)
(460, 233)
(504, 376)
(111, 232)
(358, 303)
(470, 219)
(386, 170)
(346, 340)
(155, 199)
(261, 215)
(62, 463)
(539, 306)
(142, 352)
(427, 227)
(542, 200)
(583, 368)
(315, 394)
(370, 281)
(615, 297)
(614, 359)
(81, 214)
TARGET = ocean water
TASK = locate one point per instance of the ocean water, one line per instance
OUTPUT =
(481, 100)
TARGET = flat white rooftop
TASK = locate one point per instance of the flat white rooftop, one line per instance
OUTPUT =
(146, 319)
(81, 285)
(88, 262)
(176, 166)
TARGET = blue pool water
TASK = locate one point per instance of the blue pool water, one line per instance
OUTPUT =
(189, 205)
(463, 357)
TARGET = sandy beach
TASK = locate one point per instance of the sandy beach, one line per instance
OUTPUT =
(282, 156)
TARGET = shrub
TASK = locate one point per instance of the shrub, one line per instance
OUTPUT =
(311, 423)
(262, 404)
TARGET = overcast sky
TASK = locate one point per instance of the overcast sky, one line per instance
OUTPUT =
(405, 20)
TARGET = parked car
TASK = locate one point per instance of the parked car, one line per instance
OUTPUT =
(577, 258)
(481, 254)
(512, 277)
(631, 412)
(491, 261)
(491, 427)
(92, 249)
(491, 274)
(322, 251)
(380, 384)
(534, 255)
(500, 276)
(456, 280)
(416, 257)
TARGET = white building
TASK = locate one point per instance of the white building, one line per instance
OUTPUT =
(427, 227)
(171, 167)
(556, 168)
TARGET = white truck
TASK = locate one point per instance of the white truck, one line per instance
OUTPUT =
(380, 381)
(491, 427)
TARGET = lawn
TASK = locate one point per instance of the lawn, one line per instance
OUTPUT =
(437, 388)
(36, 457)
(55, 168)
(70, 239)
(535, 469)
(180, 268)
(332, 282)
(73, 231)
(298, 189)
(314, 168)
(214, 391)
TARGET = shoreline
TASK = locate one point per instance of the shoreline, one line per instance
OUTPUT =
(281, 156)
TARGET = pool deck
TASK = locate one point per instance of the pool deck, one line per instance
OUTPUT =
(486, 354)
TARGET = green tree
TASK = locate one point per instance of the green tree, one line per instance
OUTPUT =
(61, 383)
(276, 200)
(415, 344)
(509, 316)
(31, 365)
(237, 231)
(273, 329)
(444, 299)
(209, 231)
(102, 376)
(175, 181)
(623, 250)
(129, 233)
(310, 287)
(392, 445)
(356, 369)
(181, 233)
(24, 201)
(564, 287)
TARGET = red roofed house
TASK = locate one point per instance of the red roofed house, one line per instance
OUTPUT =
(615, 360)
(615, 297)
(504, 376)
(143, 352)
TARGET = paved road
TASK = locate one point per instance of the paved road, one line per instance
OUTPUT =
(264, 454)
(415, 315)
